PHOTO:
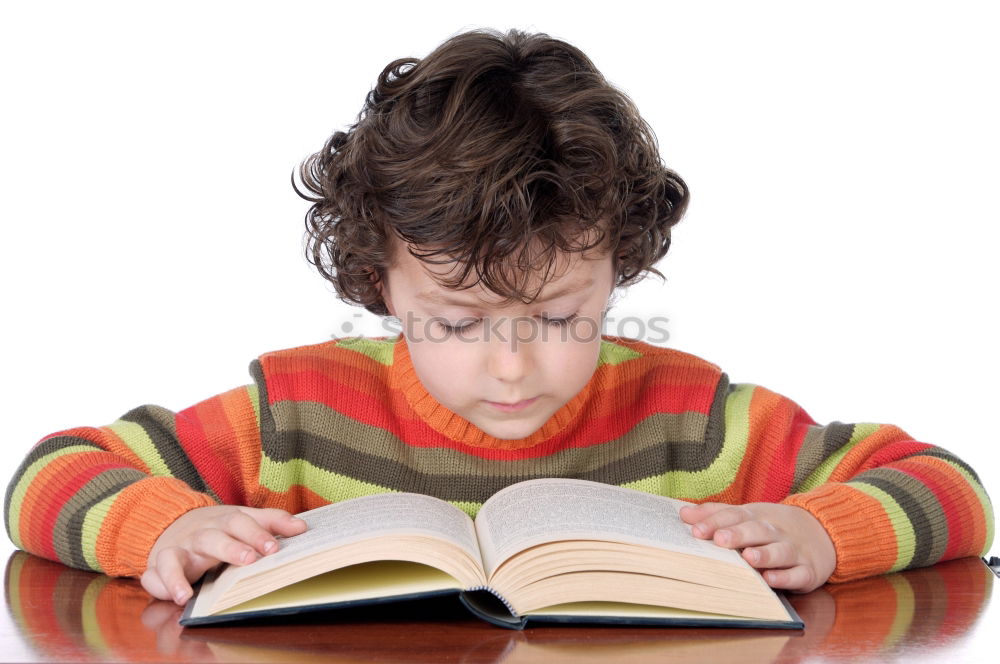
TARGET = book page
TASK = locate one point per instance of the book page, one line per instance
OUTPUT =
(546, 510)
(363, 518)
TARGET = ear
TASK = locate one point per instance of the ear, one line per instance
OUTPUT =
(383, 288)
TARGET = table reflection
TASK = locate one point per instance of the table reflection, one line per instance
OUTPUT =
(65, 614)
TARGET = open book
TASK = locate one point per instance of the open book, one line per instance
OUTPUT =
(549, 550)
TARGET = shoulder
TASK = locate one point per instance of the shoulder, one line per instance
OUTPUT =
(375, 349)
(624, 351)
(351, 360)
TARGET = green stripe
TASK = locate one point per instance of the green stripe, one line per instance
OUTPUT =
(91, 529)
(139, 442)
(14, 509)
(906, 539)
(612, 353)
(470, 508)
(903, 618)
(699, 484)
(14, 592)
(91, 626)
(380, 350)
(253, 392)
(334, 487)
(825, 469)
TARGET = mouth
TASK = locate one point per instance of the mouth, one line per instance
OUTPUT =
(512, 407)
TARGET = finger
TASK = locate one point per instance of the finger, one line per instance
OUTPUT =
(776, 554)
(217, 545)
(755, 532)
(801, 578)
(272, 520)
(170, 569)
(243, 525)
(168, 634)
(157, 613)
(724, 518)
(695, 513)
(153, 584)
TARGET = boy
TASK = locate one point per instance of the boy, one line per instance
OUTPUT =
(491, 196)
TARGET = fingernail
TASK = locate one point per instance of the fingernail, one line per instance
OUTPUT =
(723, 536)
(180, 595)
(754, 555)
(245, 557)
(269, 547)
(699, 530)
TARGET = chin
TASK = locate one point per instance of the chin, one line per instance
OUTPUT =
(511, 433)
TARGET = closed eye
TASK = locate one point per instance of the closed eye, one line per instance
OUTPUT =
(558, 322)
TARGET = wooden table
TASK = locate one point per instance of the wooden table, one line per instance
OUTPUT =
(943, 613)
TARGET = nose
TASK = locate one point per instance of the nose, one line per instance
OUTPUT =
(510, 350)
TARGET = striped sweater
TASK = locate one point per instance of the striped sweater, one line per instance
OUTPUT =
(349, 417)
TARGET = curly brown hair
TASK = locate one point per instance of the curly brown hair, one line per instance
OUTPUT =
(491, 144)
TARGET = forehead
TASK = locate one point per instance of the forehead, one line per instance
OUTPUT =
(570, 273)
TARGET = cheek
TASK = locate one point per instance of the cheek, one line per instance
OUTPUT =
(443, 366)
(573, 362)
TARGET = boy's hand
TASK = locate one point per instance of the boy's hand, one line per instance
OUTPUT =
(785, 541)
(202, 538)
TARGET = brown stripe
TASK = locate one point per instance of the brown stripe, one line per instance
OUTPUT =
(696, 441)
(68, 539)
(922, 508)
(267, 425)
(46, 447)
(819, 443)
(324, 427)
(466, 480)
(159, 424)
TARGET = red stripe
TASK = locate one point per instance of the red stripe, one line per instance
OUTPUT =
(781, 470)
(39, 588)
(43, 531)
(893, 452)
(209, 461)
(958, 533)
(399, 419)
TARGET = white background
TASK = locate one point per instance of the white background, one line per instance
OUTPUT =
(840, 246)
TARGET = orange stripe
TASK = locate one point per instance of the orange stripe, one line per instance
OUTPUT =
(873, 548)
(764, 441)
(865, 612)
(298, 498)
(118, 610)
(858, 458)
(111, 442)
(228, 423)
(40, 499)
(247, 449)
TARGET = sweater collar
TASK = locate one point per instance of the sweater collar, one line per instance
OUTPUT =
(446, 422)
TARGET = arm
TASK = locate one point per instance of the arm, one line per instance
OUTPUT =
(98, 498)
(886, 501)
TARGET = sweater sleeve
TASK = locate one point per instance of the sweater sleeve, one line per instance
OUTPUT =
(98, 497)
(888, 501)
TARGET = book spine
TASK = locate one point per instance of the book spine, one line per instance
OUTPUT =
(503, 600)
(485, 603)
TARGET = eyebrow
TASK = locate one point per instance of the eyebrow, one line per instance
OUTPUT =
(438, 298)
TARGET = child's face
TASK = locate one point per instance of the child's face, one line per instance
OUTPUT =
(507, 355)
